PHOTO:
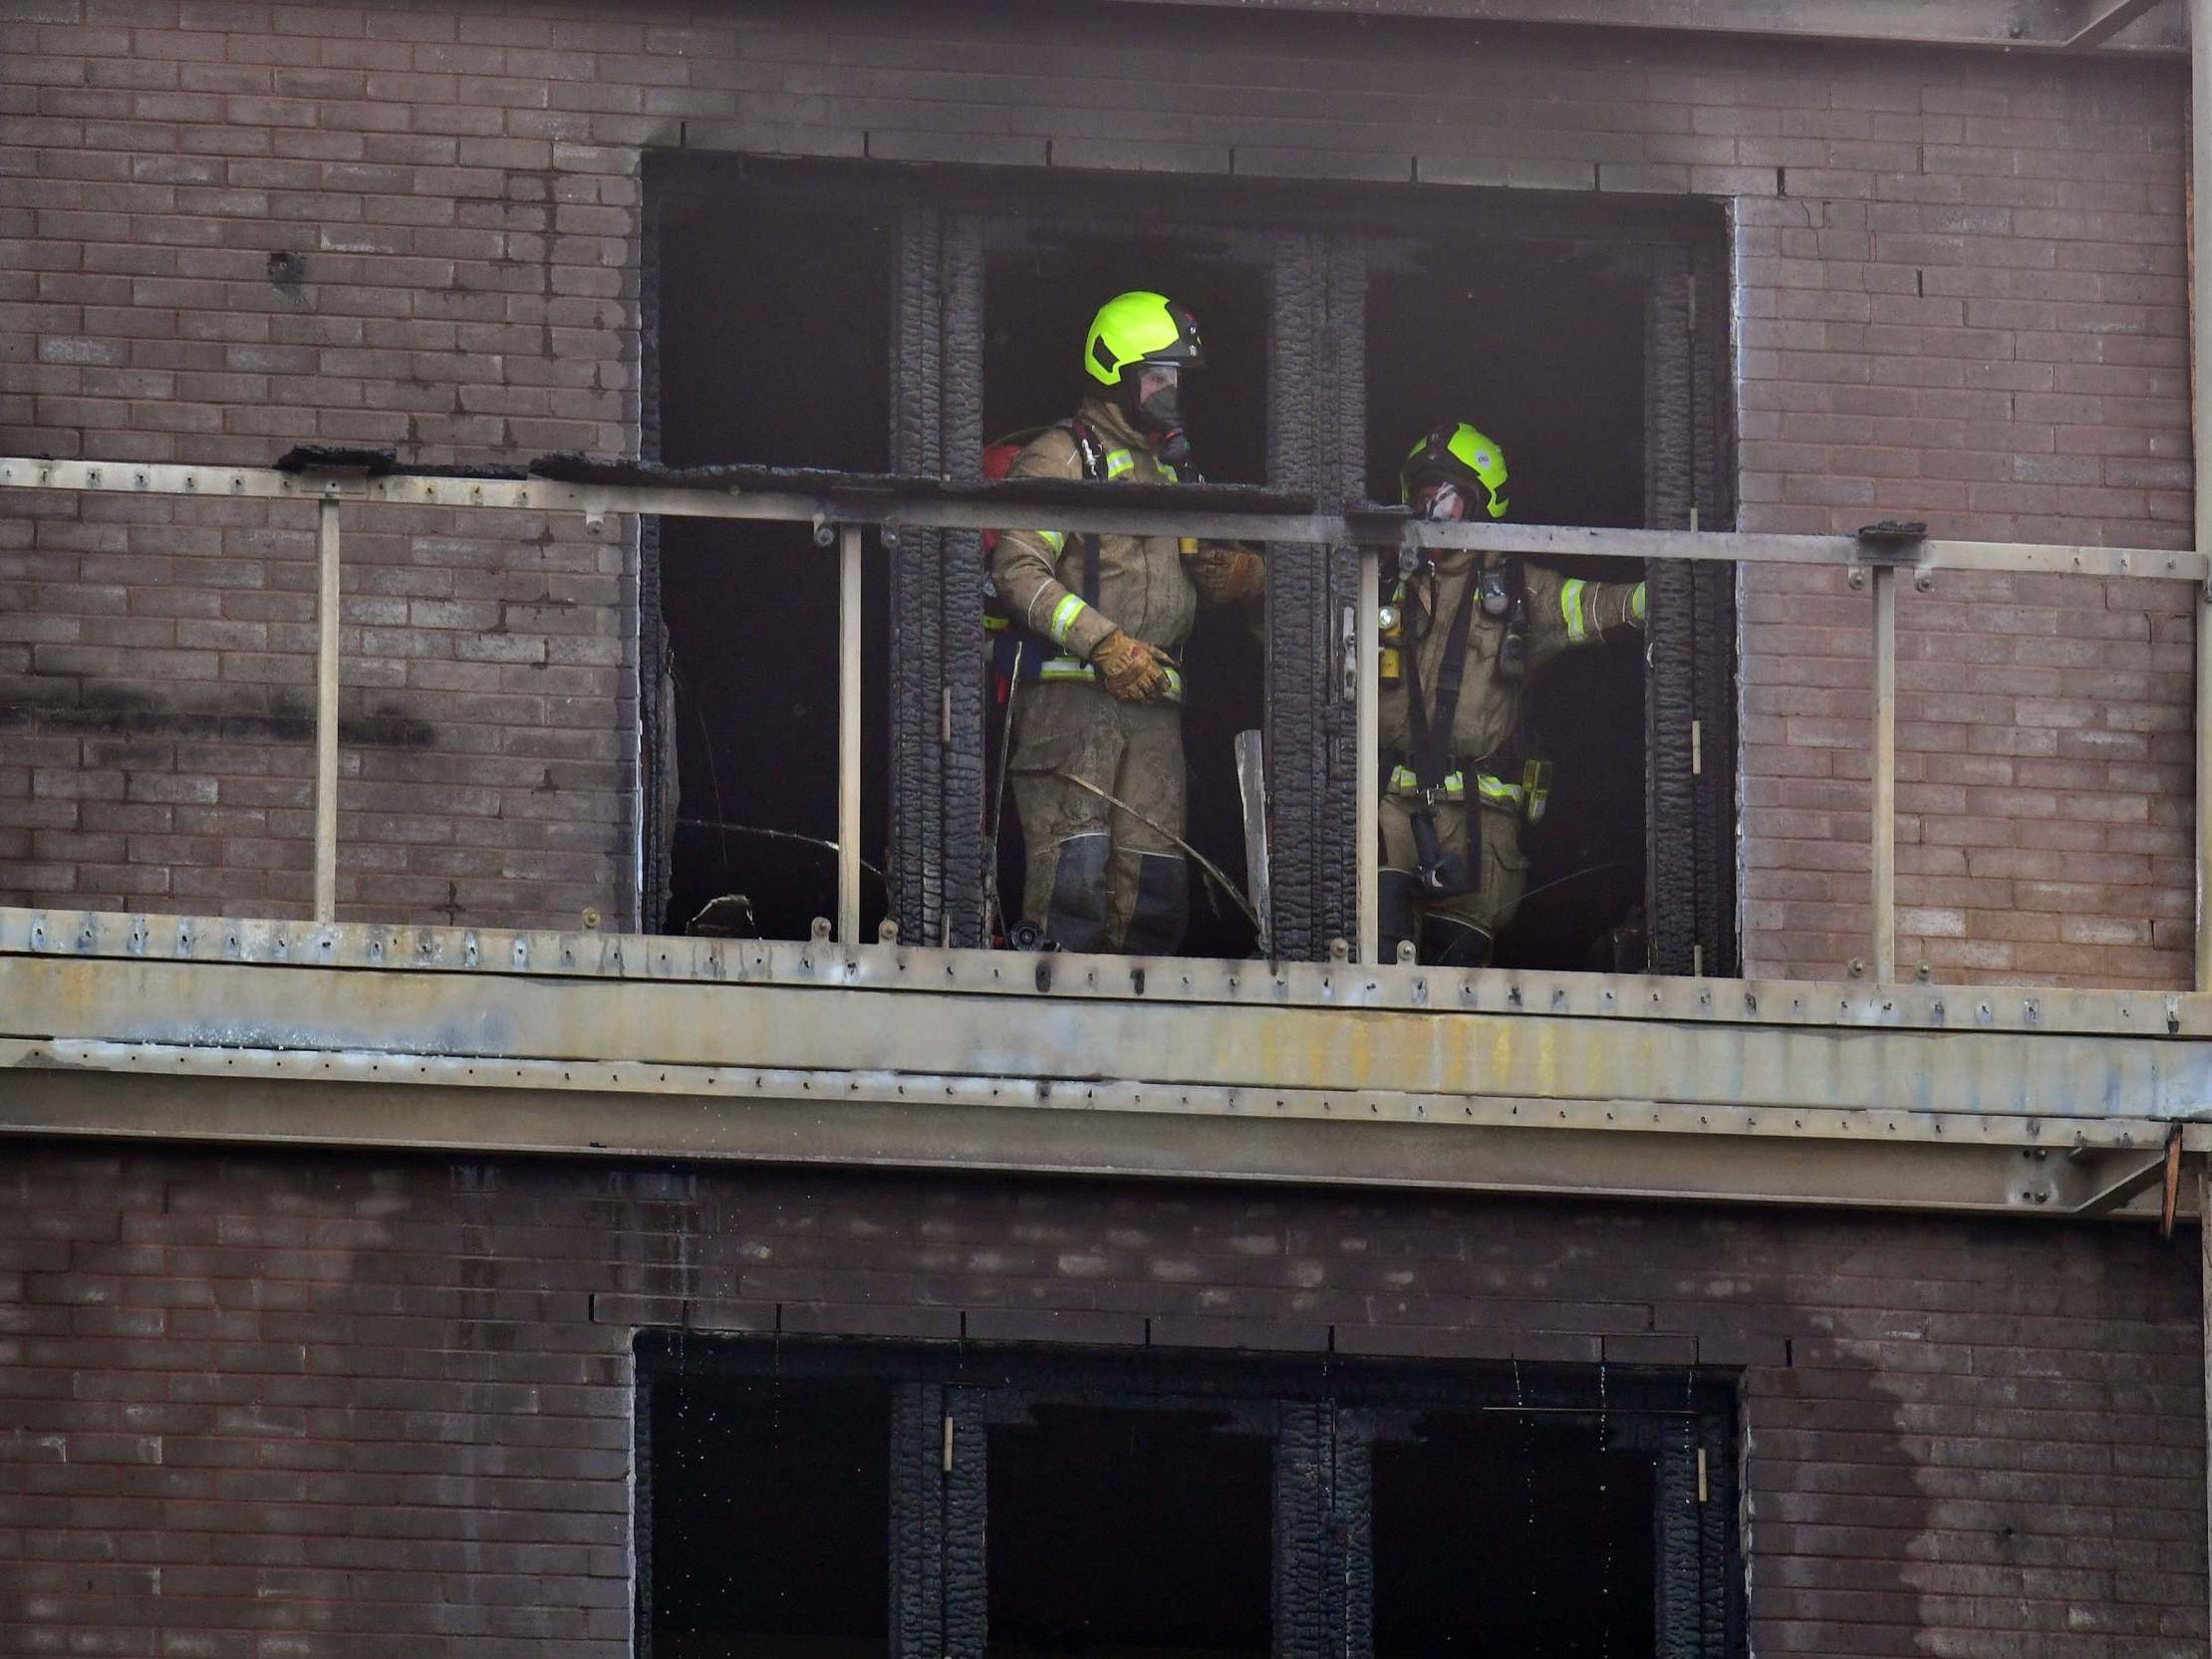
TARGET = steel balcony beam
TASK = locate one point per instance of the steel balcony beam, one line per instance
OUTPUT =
(214, 1029)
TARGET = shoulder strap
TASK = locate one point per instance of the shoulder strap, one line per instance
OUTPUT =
(1432, 723)
(1094, 468)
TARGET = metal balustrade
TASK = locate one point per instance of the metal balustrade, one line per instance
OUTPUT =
(842, 509)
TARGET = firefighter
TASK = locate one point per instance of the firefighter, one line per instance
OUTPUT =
(1101, 619)
(1460, 638)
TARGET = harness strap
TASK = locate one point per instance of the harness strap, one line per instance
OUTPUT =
(1432, 725)
(1096, 464)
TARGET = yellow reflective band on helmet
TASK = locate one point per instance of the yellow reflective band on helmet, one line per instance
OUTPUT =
(1053, 539)
(1063, 617)
(1119, 462)
(1570, 607)
(1636, 602)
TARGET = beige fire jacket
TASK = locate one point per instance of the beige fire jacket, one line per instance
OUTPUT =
(1144, 588)
(1563, 613)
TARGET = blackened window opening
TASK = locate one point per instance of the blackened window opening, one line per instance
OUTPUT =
(1541, 348)
(1040, 298)
(826, 1497)
(1512, 1533)
(1117, 1531)
(768, 1505)
(773, 348)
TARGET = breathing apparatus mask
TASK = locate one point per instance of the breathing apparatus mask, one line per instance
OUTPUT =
(1152, 400)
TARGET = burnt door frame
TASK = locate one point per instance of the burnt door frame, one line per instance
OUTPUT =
(1690, 755)
(938, 833)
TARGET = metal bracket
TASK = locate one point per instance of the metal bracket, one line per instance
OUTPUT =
(2109, 1189)
(317, 482)
(1893, 542)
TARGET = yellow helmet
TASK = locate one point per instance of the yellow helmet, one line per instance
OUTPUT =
(1140, 327)
(1456, 452)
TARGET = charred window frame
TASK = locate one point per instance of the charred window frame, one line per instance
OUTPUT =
(1320, 245)
(1324, 1418)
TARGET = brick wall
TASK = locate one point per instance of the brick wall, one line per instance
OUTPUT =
(1960, 297)
(317, 1407)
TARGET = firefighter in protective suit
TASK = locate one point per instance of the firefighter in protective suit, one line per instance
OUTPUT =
(1101, 620)
(1460, 638)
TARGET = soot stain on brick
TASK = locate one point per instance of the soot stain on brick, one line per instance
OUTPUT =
(1868, 1376)
(288, 274)
(107, 708)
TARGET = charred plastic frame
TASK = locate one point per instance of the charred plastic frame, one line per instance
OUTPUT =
(1324, 1416)
(1317, 248)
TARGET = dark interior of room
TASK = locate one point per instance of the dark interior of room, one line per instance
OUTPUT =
(1134, 1505)
(769, 1505)
(773, 345)
(1503, 1532)
(1541, 346)
(1038, 301)
(775, 349)
(1123, 1531)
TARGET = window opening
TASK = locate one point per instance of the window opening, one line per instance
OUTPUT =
(772, 332)
(1541, 348)
(825, 1497)
(1504, 1531)
(774, 349)
(768, 1499)
(1117, 1531)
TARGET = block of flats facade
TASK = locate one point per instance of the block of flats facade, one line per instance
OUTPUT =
(1958, 296)
(327, 1406)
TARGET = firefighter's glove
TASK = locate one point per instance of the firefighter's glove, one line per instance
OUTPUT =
(1130, 668)
(1227, 575)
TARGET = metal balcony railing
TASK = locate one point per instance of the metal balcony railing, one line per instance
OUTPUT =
(841, 508)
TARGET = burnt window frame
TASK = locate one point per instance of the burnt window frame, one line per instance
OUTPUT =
(1320, 237)
(1324, 1413)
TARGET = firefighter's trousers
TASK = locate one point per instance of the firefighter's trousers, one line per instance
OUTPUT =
(1098, 878)
(1452, 929)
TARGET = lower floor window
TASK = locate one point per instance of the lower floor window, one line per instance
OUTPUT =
(840, 1498)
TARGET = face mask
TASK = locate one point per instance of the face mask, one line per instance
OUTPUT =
(1439, 501)
(1162, 410)
(1160, 413)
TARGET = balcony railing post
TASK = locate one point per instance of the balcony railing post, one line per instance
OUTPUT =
(1886, 774)
(326, 710)
(848, 736)
(2200, 362)
(1367, 688)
